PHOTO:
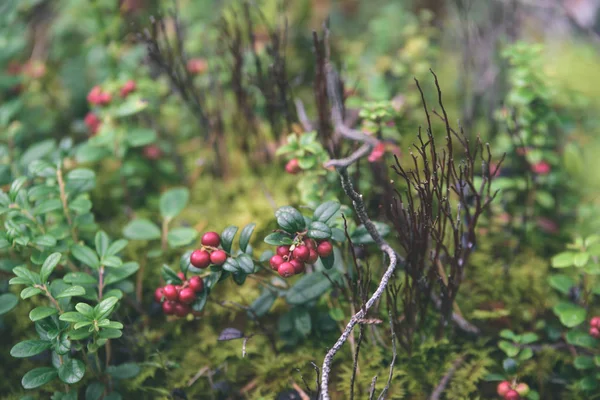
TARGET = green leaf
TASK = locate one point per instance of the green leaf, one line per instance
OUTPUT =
(115, 275)
(319, 230)
(47, 206)
(132, 105)
(173, 201)
(102, 242)
(528, 338)
(336, 314)
(581, 259)
(141, 229)
(38, 377)
(338, 235)
(45, 241)
(583, 362)
(508, 334)
(123, 371)
(105, 307)
(41, 313)
(491, 378)
(329, 261)
(509, 365)
(116, 247)
(245, 236)
(246, 264)
(71, 292)
(588, 384)
(570, 315)
(308, 288)
(179, 237)
(140, 137)
(581, 339)
(326, 211)
(73, 316)
(278, 239)
(262, 304)
(80, 278)
(362, 236)
(231, 265)
(200, 301)
(49, 265)
(290, 219)
(227, 237)
(170, 276)
(562, 283)
(510, 349)
(563, 260)
(29, 348)
(30, 292)
(86, 255)
(94, 391)
(85, 309)
(71, 371)
(109, 333)
(302, 322)
(525, 354)
(112, 261)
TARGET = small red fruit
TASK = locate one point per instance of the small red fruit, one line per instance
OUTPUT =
(127, 88)
(541, 168)
(301, 253)
(158, 294)
(181, 310)
(293, 167)
(187, 295)
(211, 239)
(522, 389)
(152, 152)
(286, 270)
(196, 283)
(170, 292)
(298, 266)
(92, 121)
(312, 257)
(512, 395)
(94, 95)
(595, 322)
(283, 251)
(276, 261)
(181, 276)
(218, 257)
(197, 66)
(311, 244)
(105, 98)
(503, 388)
(324, 249)
(200, 258)
(168, 307)
(595, 332)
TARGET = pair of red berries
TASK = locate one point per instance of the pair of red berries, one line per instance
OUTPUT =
(508, 392)
(176, 299)
(99, 97)
(209, 253)
(127, 88)
(290, 260)
(595, 327)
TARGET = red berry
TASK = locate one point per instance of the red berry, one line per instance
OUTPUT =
(152, 152)
(170, 292)
(127, 88)
(522, 389)
(168, 307)
(503, 388)
(311, 244)
(211, 239)
(541, 168)
(312, 257)
(293, 167)
(218, 257)
(595, 322)
(286, 270)
(512, 395)
(187, 295)
(105, 98)
(94, 95)
(158, 294)
(298, 266)
(196, 283)
(200, 258)
(595, 332)
(283, 251)
(181, 276)
(92, 121)
(324, 249)
(276, 261)
(197, 66)
(301, 253)
(181, 310)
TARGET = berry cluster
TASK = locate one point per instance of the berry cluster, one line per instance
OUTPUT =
(176, 299)
(508, 392)
(209, 254)
(98, 97)
(595, 327)
(290, 260)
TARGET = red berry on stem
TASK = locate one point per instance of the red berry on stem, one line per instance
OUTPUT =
(181, 276)
(301, 253)
(168, 307)
(94, 95)
(187, 295)
(158, 294)
(92, 121)
(276, 261)
(218, 257)
(127, 88)
(298, 266)
(170, 292)
(312, 257)
(512, 395)
(196, 283)
(293, 167)
(211, 239)
(105, 98)
(197, 66)
(283, 250)
(286, 270)
(595, 322)
(503, 388)
(595, 332)
(181, 310)
(311, 244)
(324, 249)
(200, 258)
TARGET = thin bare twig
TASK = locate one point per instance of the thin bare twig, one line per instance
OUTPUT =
(439, 389)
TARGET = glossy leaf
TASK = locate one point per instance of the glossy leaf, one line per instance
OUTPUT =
(173, 201)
